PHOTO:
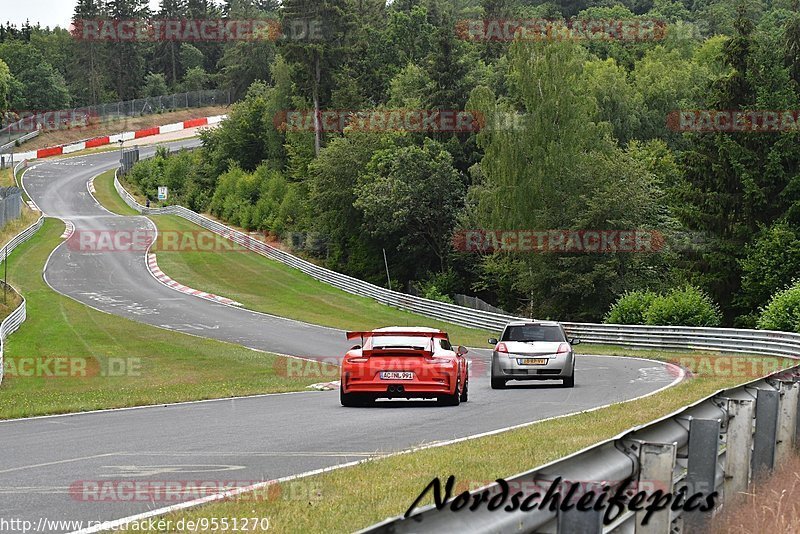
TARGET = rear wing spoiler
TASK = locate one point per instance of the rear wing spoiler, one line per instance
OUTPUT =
(399, 333)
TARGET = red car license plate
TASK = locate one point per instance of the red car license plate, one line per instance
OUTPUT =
(397, 375)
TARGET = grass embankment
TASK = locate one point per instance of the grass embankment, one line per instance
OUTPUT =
(157, 366)
(352, 498)
(112, 127)
(266, 285)
(7, 177)
(107, 195)
(9, 300)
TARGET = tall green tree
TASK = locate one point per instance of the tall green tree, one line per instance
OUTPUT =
(736, 182)
(548, 165)
(792, 44)
(316, 50)
(250, 136)
(41, 87)
(332, 179)
(167, 54)
(89, 79)
(412, 194)
(244, 62)
(125, 58)
(5, 86)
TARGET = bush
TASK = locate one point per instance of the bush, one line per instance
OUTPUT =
(439, 286)
(783, 311)
(687, 306)
(630, 308)
(771, 260)
(432, 293)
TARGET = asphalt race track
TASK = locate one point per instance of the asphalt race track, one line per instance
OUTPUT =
(246, 440)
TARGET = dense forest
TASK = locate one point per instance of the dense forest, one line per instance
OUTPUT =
(575, 134)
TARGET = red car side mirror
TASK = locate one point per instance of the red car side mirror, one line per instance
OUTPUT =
(461, 350)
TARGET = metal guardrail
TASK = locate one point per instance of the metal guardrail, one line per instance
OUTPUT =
(668, 337)
(19, 140)
(718, 444)
(18, 316)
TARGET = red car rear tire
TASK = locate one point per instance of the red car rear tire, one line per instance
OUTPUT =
(450, 400)
(351, 400)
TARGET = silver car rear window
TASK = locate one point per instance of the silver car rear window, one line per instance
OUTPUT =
(533, 332)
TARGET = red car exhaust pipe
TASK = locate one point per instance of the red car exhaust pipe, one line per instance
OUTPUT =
(399, 389)
(391, 389)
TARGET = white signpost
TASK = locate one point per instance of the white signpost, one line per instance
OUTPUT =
(163, 192)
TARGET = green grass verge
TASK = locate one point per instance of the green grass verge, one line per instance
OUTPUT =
(10, 300)
(269, 286)
(7, 177)
(157, 366)
(107, 195)
(352, 498)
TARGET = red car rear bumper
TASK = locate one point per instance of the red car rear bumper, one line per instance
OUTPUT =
(442, 384)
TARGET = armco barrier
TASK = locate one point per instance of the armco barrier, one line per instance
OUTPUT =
(27, 137)
(718, 444)
(17, 317)
(665, 337)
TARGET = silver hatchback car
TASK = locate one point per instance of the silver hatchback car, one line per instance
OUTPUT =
(536, 350)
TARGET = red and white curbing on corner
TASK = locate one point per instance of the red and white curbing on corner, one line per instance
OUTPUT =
(125, 136)
(69, 229)
(152, 265)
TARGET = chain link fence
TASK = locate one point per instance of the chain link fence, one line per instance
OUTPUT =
(81, 117)
(10, 204)
(477, 304)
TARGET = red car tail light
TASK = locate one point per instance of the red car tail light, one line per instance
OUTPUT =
(357, 360)
(501, 347)
(564, 347)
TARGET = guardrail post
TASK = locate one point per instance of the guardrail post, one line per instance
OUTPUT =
(797, 424)
(766, 429)
(574, 520)
(787, 421)
(701, 470)
(739, 444)
(656, 467)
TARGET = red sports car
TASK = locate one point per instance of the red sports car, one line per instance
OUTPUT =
(406, 363)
